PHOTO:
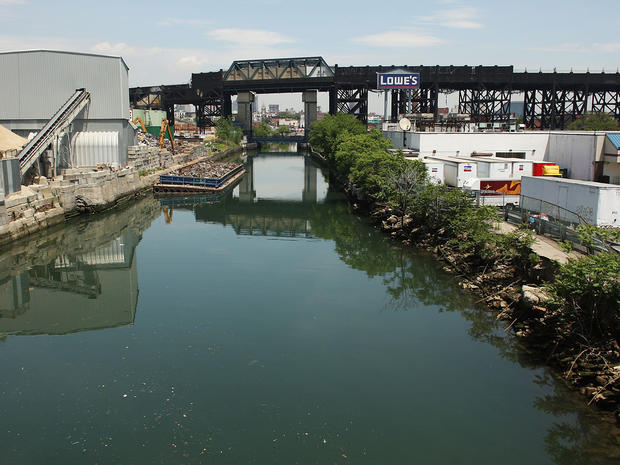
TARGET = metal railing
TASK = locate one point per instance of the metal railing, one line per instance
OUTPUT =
(551, 220)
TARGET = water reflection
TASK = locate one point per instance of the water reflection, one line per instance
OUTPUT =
(214, 365)
(279, 208)
(81, 277)
(579, 435)
(414, 279)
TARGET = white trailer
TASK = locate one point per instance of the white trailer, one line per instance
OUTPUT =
(498, 167)
(494, 168)
(595, 202)
(435, 170)
(522, 168)
(492, 191)
(456, 170)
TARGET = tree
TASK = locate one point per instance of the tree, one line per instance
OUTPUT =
(405, 183)
(262, 130)
(283, 130)
(224, 128)
(370, 170)
(324, 133)
(225, 131)
(349, 148)
(595, 122)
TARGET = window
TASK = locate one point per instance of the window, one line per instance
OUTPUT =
(511, 155)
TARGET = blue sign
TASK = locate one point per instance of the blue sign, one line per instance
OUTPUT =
(398, 80)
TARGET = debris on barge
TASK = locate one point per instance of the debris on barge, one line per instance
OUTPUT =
(202, 176)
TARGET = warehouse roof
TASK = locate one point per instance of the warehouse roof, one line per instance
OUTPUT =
(67, 52)
(614, 139)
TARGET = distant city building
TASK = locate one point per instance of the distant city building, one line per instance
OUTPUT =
(516, 108)
(255, 105)
(274, 109)
(291, 123)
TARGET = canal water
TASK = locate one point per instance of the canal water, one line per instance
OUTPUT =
(269, 326)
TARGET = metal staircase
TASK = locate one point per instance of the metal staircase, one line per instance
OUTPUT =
(53, 129)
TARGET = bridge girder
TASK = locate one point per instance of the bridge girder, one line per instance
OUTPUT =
(278, 69)
(551, 100)
(486, 105)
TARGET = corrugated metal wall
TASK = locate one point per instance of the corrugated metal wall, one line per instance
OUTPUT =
(33, 85)
(91, 148)
(10, 180)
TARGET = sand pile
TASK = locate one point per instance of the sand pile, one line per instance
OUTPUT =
(10, 141)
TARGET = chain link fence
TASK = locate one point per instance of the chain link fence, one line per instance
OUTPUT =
(552, 221)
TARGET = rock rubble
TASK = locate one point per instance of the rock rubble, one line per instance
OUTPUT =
(206, 169)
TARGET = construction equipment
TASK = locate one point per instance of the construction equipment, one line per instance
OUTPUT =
(139, 120)
(165, 127)
(168, 213)
(53, 130)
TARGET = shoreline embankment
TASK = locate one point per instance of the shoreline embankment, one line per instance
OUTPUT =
(88, 191)
(524, 280)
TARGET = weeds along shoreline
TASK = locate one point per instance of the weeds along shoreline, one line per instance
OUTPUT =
(567, 315)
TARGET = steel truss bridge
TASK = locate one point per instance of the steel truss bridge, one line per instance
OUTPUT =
(551, 99)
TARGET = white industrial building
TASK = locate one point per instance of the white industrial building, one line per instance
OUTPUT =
(35, 84)
(587, 155)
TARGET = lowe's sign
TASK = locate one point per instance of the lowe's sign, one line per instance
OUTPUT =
(402, 80)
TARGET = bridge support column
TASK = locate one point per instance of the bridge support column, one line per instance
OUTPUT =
(244, 114)
(309, 195)
(227, 105)
(247, 194)
(309, 97)
(333, 97)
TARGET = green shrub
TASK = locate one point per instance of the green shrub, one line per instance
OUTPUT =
(589, 288)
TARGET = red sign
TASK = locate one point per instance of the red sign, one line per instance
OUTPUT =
(508, 187)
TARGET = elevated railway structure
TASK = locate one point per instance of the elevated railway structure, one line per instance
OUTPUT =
(551, 99)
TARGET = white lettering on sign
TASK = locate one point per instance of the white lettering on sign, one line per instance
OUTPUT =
(399, 80)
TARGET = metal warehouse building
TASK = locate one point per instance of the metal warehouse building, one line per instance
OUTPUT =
(35, 84)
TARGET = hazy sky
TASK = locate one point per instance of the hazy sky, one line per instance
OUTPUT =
(164, 42)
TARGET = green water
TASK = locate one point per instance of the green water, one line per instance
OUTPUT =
(270, 326)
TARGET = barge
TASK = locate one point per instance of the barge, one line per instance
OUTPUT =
(224, 175)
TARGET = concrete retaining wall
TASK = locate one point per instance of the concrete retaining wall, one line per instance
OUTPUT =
(76, 191)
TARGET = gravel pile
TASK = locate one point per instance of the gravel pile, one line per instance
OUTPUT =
(206, 169)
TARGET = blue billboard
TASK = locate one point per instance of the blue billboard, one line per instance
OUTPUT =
(398, 80)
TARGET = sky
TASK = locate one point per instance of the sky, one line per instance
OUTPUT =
(164, 42)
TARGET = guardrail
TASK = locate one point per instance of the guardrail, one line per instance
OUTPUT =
(198, 182)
